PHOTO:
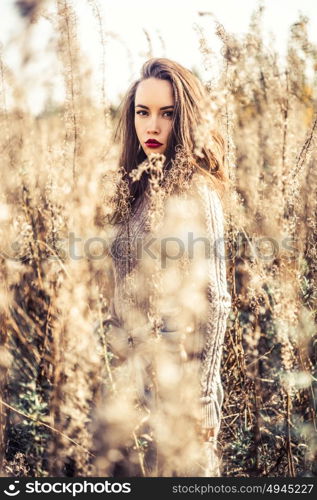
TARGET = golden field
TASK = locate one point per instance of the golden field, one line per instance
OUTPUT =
(58, 170)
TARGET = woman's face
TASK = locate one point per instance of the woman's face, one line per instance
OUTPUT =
(153, 113)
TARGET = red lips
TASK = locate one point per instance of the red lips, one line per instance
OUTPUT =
(153, 141)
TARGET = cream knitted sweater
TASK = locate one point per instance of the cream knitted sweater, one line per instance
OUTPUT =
(192, 306)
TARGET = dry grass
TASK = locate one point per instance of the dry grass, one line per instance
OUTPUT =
(55, 363)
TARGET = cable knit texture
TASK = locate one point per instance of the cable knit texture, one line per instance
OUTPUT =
(200, 212)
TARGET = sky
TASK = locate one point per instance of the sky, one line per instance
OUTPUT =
(172, 21)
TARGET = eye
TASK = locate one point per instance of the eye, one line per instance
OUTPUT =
(168, 113)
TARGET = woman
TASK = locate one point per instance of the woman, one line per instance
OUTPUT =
(171, 302)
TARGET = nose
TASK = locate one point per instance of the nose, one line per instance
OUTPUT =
(153, 127)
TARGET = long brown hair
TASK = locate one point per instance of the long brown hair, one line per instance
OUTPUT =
(191, 102)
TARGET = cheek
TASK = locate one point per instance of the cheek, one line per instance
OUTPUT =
(169, 128)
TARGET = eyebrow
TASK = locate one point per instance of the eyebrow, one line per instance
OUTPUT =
(146, 107)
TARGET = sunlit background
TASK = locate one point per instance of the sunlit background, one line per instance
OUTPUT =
(174, 28)
(69, 382)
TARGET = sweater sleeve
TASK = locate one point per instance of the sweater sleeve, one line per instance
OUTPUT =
(213, 327)
(201, 300)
